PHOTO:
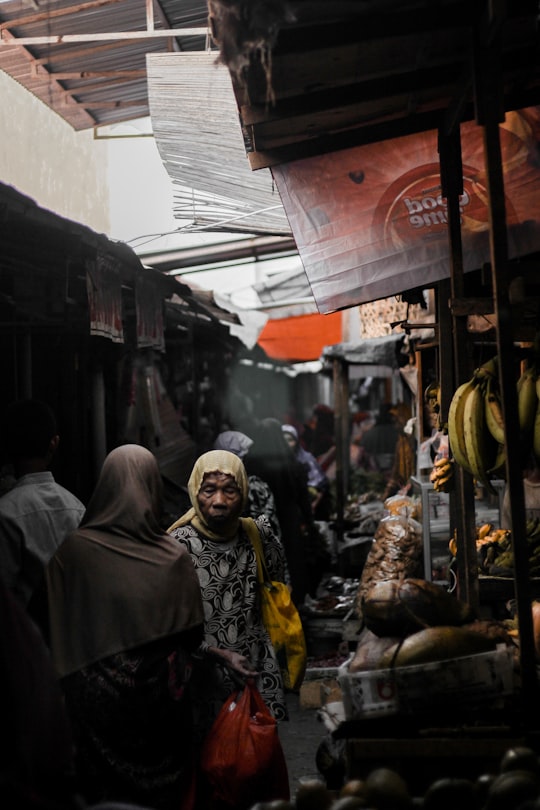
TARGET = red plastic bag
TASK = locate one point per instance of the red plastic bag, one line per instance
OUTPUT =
(242, 759)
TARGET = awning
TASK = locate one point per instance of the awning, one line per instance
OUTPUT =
(198, 135)
(370, 222)
(301, 338)
(381, 351)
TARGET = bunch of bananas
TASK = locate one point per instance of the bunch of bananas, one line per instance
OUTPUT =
(442, 475)
(476, 427)
(528, 392)
(490, 542)
(496, 555)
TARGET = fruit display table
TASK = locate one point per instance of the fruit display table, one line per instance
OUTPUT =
(422, 752)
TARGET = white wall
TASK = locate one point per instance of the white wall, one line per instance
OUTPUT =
(43, 157)
(141, 193)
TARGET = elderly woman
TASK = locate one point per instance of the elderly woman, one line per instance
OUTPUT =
(236, 644)
(260, 500)
(125, 615)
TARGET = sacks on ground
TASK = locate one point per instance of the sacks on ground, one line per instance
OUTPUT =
(401, 607)
(396, 553)
(369, 650)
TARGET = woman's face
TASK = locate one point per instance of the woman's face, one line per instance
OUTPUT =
(219, 499)
(291, 441)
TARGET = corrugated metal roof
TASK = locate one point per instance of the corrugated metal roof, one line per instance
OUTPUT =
(66, 54)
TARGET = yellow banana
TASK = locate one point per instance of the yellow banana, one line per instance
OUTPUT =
(456, 411)
(499, 469)
(479, 444)
(441, 462)
(446, 485)
(489, 369)
(493, 408)
(442, 476)
(527, 400)
(452, 546)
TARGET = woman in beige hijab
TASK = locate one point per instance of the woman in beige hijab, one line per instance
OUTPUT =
(125, 616)
(236, 644)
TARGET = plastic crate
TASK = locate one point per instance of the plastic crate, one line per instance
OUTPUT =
(480, 677)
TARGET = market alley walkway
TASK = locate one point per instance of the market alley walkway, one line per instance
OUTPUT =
(300, 738)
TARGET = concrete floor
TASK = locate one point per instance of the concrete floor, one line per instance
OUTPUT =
(300, 737)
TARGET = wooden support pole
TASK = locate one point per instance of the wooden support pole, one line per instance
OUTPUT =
(487, 59)
(458, 369)
(341, 426)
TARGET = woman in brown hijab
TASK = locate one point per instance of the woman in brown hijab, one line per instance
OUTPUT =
(125, 615)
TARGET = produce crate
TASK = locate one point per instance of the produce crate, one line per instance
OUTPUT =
(482, 677)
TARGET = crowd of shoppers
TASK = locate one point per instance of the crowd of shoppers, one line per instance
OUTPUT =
(145, 632)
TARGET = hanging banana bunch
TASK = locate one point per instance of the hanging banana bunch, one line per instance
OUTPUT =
(474, 408)
(527, 403)
(494, 414)
(476, 431)
(442, 475)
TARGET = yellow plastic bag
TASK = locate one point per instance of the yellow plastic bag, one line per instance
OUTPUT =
(284, 626)
(281, 619)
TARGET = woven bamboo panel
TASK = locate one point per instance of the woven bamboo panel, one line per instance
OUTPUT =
(376, 317)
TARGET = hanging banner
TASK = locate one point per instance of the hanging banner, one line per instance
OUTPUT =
(371, 222)
(104, 290)
(150, 322)
(300, 338)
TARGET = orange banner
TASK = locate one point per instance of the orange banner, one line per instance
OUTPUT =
(302, 338)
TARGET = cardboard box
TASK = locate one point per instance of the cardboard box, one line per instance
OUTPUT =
(481, 677)
(314, 694)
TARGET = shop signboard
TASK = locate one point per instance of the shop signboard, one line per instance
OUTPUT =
(371, 222)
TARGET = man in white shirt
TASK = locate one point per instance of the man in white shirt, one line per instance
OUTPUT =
(37, 513)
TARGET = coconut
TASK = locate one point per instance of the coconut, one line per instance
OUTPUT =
(521, 758)
(386, 790)
(354, 787)
(448, 793)
(348, 803)
(312, 795)
(510, 789)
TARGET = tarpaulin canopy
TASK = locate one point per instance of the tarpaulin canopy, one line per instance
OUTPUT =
(301, 338)
(381, 351)
(371, 222)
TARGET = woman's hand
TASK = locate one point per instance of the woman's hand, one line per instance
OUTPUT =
(236, 661)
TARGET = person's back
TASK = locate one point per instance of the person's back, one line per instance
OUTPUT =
(37, 513)
(260, 496)
(272, 459)
(379, 442)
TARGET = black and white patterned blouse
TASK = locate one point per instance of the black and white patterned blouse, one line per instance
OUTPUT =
(227, 574)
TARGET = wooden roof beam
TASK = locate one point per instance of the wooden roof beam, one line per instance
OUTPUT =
(52, 14)
(8, 38)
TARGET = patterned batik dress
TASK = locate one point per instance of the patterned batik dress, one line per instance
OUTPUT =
(227, 574)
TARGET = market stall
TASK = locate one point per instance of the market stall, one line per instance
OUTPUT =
(373, 357)
(390, 169)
